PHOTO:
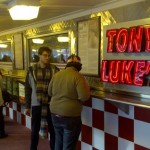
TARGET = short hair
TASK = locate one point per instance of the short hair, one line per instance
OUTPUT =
(43, 49)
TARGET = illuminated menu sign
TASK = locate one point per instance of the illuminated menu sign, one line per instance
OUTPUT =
(134, 39)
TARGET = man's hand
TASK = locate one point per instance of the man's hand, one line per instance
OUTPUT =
(27, 111)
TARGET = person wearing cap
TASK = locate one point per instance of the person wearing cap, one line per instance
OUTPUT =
(68, 90)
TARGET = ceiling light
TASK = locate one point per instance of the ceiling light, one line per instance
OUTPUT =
(62, 39)
(23, 9)
(38, 41)
(34, 50)
(3, 45)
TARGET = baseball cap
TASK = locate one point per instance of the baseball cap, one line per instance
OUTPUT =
(74, 59)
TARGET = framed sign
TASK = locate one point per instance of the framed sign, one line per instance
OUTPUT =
(89, 45)
(21, 93)
(18, 51)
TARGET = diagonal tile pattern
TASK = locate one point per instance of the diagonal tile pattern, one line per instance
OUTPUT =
(105, 127)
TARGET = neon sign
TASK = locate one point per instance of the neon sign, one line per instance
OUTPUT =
(134, 39)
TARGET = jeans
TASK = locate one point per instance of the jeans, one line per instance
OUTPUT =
(2, 124)
(67, 131)
(35, 127)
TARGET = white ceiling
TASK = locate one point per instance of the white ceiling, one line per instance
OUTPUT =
(50, 9)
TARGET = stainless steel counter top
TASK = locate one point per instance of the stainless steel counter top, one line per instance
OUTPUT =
(128, 98)
(122, 98)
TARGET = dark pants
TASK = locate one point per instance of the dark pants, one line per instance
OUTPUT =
(35, 127)
(67, 131)
(2, 124)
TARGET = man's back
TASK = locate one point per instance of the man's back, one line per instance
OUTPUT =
(68, 90)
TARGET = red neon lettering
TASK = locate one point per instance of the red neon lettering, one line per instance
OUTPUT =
(127, 73)
(147, 68)
(104, 77)
(131, 36)
(122, 40)
(110, 34)
(122, 71)
(114, 69)
(135, 39)
(147, 36)
(138, 73)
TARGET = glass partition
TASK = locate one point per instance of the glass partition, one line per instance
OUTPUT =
(6, 52)
(59, 43)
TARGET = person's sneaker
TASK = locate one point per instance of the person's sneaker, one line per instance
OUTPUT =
(3, 135)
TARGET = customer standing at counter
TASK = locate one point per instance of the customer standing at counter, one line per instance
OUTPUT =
(2, 123)
(36, 95)
(68, 89)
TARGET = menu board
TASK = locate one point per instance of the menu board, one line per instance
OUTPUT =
(18, 51)
(21, 93)
(89, 45)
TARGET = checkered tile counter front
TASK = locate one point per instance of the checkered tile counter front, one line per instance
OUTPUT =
(105, 127)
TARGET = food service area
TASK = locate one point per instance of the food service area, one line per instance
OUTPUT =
(112, 38)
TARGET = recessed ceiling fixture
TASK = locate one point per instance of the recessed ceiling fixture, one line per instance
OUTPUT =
(63, 39)
(38, 41)
(23, 9)
(3, 45)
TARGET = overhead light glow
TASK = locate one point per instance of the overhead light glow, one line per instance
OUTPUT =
(23, 12)
(38, 41)
(34, 50)
(62, 39)
(3, 45)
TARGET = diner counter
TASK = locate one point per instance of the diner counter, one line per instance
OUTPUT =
(18, 78)
(119, 97)
(123, 98)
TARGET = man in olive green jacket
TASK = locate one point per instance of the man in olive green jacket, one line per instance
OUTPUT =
(68, 89)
